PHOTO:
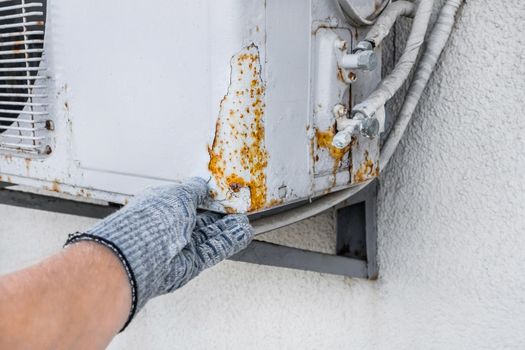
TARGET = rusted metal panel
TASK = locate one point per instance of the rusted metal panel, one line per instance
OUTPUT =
(238, 155)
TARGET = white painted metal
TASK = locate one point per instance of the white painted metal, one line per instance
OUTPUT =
(147, 101)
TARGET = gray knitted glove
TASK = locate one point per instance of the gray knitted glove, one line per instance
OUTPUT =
(163, 243)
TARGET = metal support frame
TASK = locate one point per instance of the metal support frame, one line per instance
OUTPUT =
(356, 233)
(356, 246)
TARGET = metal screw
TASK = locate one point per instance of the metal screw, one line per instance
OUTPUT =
(50, 125)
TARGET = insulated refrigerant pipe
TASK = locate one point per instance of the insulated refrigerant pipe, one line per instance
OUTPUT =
(355, 18)
(394, 81)
(436, 43)
(388, 18)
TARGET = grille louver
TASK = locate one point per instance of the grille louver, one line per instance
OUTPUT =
(24, 118)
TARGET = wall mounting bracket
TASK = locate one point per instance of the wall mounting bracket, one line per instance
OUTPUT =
(356, 233)
(356, 245)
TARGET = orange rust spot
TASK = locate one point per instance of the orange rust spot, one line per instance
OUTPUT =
(9, 179)
(275, 202)
(8, 157)
(246, 131)
(55, 187)
(324, 140)
(235, 182)
(340, 75)
(367, 170)
(230, 210)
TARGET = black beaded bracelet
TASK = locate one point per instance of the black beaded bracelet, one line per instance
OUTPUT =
(79, 237)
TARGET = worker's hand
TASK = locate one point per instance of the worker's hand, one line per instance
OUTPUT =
(163, 242)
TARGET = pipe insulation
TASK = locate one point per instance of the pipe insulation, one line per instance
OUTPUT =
(355, 18)
(393, 82)
(436, 43)
(388, 18)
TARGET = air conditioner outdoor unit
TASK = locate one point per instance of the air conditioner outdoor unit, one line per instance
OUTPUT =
(100, 99)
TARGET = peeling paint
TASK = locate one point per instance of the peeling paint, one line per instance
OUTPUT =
(55, 186)
(238, 155)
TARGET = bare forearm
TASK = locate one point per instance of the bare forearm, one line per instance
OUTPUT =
(79, 298)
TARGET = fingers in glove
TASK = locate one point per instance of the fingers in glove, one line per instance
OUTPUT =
(225, 238)
(207, 218)
(203, 233)
(170, 211)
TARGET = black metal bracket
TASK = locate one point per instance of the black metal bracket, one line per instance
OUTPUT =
(356, 233)
(356, 245)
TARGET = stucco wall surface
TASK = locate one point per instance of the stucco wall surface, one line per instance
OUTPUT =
(451, 231)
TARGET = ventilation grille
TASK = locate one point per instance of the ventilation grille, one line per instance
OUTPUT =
(24, 118)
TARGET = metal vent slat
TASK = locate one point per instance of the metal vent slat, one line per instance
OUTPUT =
(23, 33)
(24, 118)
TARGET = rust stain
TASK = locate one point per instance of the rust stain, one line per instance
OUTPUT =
(367, 171)
(230, 210)
(8, 158)
(55, 186)
(340, 75)
(238, 156)
(324, 141)
(9, 179)
(275, 202)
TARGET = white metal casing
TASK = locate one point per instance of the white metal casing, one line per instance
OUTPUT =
(237, 91)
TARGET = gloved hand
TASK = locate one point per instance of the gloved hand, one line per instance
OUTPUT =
(163, 243)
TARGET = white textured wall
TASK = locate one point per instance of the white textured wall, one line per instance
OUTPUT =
(451, 221)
